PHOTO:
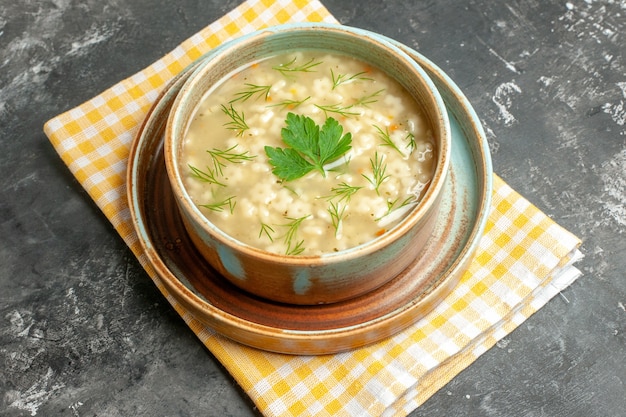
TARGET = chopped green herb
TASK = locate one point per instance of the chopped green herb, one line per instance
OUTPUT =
(291, 189)
(410, 138)
(293, 248)
(339, 79)
(368, 99)
(386, 138)
(309, 147)
(290, 66)
(344, 191)
(337, 108)
(266, 230)
(292, 104)
(207, 176)
(378, 172)
(221, 205)
(237, 120)
(251, 90)
(220, 157)
(337, 213)
(391, 205)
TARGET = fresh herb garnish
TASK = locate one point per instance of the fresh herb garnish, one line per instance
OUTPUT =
(221, 205)
(251, 90)
(385, 137)
(295, 250)
(220, 157)
(207, 176)
(379, 167)
(391, 205)
(339, 79)
(410, 138)
(266, 230)
(338, 108)
(293, 247)
(309, 147)
(337, 213)
(237, 120)
(292, 104)
(344, 191)
(368, 99)
(290, 66)
(291, 190)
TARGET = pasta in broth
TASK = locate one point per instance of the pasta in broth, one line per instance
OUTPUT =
(307, 153)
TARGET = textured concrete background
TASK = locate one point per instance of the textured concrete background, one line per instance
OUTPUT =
(84, 332)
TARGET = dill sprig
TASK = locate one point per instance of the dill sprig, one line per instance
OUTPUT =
(206, 176)
(295, 250)
(220, 157)
(344, 191)
(369, 98)
(337, 213)
(237, 120)
(250, 91)
(337, 108)
(385, 137)
(410, 138)
(379, 167)
(291, 189)
(220, 206)
(291, 104)
(290, 66)
(267, 230)
(391, 205)
(293, 247)
(339, 79)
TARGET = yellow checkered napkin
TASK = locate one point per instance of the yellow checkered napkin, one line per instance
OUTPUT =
(524, 258)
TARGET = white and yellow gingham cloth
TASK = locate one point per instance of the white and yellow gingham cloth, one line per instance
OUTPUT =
(524, 258)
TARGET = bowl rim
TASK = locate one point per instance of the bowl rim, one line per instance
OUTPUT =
(175, 130)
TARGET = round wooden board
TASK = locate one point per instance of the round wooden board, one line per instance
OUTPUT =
(320, 329)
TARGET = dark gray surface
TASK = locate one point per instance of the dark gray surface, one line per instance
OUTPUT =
(84, 332)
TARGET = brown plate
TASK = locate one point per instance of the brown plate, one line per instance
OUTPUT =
(328, 328)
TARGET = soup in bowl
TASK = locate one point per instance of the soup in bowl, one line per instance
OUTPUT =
(308, 161)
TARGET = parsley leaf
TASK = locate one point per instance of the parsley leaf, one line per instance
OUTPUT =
(288, 164)
(311, 147)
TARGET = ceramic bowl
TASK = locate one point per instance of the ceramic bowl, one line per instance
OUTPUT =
(310, 279)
